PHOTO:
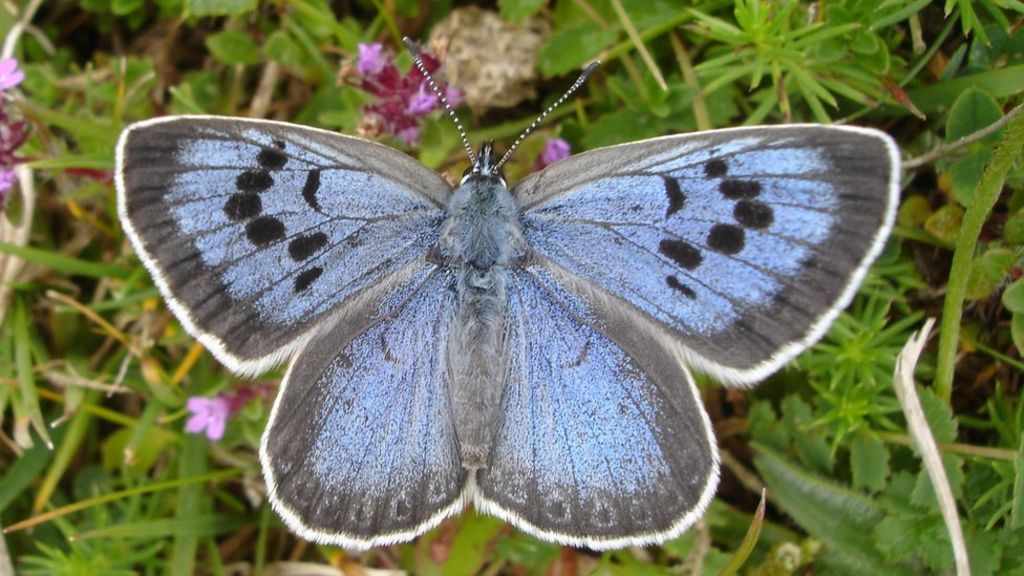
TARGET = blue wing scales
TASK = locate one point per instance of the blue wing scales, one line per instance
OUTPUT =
(360, 449)
(602, 440)
(742, 245)
(256, 231)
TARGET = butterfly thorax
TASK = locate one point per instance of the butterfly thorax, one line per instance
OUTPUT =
(480, 240)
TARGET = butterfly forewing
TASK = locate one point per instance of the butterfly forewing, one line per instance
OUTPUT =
(603, 441)
(257, 231)
(741, 244)
(360, 449)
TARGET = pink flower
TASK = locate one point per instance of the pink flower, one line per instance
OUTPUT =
(209, 415)
(423, 101)
(6, 181)
(10, 76)
(401, 100)
(556, 149)
(409, 135)
(371, 59)
(453, 96)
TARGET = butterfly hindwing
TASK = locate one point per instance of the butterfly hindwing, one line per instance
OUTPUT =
(743, 243)
(257, 231)
(360, 449)
(603, 441)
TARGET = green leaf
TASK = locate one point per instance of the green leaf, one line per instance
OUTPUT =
(965, 173)
(1017, 508)
(897, 536)
(233, 47)
(570, 48)
(869, 462)
(518, 10)
(945, 222)
(972, 111)
(1017, 333)
(939, 416)
(840, 518)
(1013, 230)
(988, 271)
(924, 493)
(1013, 296)
(914, 211)
(281, 48)
(199, 525)
(65, 264)
(125, 7)
(219, 7)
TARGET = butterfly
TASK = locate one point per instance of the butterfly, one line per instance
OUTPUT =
(525, 350)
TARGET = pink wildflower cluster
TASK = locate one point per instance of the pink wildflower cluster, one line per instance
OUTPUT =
(210, 415)
(12, 132)
(556, 149)
(402, 101)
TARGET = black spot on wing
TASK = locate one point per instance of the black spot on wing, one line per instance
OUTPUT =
(682, 253)
(739, 189)
(306, 278)
(678, 286)
(272, 158)
(243, 206)
(715, 168)
(310, 188)
(726, 238)
(753, 214)
(306, 245)
(254, 181)
(264, 230)
(676, 199)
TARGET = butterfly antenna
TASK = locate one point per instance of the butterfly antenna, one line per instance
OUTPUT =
(418, 61)
(575, 86)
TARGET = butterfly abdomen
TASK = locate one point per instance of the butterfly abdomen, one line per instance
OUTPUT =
(479, 240)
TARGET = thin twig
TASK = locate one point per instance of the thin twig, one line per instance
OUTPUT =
(10, 266)
(950, 147)
(924, 440)
(638, 42)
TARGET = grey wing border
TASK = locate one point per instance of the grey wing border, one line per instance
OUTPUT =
(213, 343)
(534, 186)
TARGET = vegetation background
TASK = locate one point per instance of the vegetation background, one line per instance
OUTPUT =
(99, 476)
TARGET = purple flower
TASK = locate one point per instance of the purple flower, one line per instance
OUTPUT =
(371, 59)
(422, 101)
(10, 76)
(556, 149)
(6, 181)
(209, 415)
(402, 100)
(453, 96)
(409, 135)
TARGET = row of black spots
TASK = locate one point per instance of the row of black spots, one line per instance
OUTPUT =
(264, 230)
(753, 214)
(674, 283)
(734, 189)
(306, 278)
(682, 253)
(310, 188)
(273, 158)
(676, 198)
(305, 246)
(715, 168)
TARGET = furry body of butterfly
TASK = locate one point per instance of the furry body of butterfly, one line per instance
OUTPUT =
(479, 240)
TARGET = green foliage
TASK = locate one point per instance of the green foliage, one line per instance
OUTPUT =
(92, 361)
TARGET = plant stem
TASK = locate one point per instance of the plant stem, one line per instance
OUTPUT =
(985, 196)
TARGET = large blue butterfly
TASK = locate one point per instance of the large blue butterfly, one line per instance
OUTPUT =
(527, 350)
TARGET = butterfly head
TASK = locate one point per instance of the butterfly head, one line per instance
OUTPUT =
(484, 165)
